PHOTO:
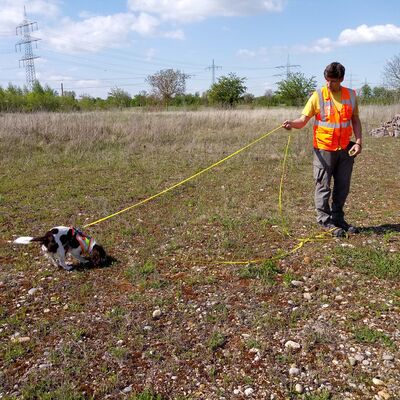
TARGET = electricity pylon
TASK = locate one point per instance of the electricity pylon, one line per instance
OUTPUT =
(25, 29)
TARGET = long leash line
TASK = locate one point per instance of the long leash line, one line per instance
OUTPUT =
(185, 180)
(319, 237)
(280, 207)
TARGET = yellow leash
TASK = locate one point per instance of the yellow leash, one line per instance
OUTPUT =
(316, 238)
(281, 186)
(185, 180)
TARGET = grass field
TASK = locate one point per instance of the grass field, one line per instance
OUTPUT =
(222, 328)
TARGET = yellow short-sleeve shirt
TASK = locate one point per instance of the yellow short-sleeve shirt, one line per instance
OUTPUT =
(312, 107)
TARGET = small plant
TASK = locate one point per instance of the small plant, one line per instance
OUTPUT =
(325, 395)
(288, 277)
(13, 351)
(216, 341)
(368, 335)
(145, 395)
(118, 352)
(378, 263)
(266, 272)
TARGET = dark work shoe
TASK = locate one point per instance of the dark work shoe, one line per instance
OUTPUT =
(335, 230)
(347, 227)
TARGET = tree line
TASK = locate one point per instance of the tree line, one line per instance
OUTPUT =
(169, 90)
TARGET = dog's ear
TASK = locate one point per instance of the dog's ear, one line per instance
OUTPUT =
(47, 240)
(50, 243)
(98, 255)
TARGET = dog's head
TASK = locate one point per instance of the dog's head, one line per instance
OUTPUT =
(98, 255)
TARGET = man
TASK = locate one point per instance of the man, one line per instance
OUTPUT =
(336, 118)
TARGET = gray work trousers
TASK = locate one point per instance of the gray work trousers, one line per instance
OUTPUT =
(327, 164)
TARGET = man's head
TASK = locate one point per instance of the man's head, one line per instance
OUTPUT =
(334, 76)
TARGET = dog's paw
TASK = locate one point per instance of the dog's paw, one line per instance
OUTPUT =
(67, 267)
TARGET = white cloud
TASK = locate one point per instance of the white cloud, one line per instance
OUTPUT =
(189, 10)
(91, 34)
(370, 34)
(261, 52)
(245, 53)
(100, 32)
(145, 24)
(178, 34)
(350, 37)
(12, 12)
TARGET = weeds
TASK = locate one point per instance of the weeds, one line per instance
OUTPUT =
(216, 341)
(266, 272)
(374, 262)
(365, 334)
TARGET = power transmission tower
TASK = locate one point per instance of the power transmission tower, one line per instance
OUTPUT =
(288, 67)
(25, 29)
(213, 67)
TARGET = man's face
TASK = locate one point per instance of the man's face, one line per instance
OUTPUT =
(333, 84)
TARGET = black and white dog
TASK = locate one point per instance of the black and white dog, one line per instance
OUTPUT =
(63, 240)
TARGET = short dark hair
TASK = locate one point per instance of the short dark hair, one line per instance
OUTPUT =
(334, 70)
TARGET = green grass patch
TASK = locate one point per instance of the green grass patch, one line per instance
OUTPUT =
(266, 272)
(365, 334)
(216, 341)
(47, 390)
(372, 262)
(145, 395)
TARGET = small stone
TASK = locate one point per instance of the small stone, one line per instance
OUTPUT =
(307, 260)
(290, 344)
(388, 357)
(377, 382)
(22, 339)
(359, 357)
(365, 362)
(383, 394)
(294, 371)
(128, 389)
(299, 388)
(352, 361)
(32, 291)
(249, 392)
(157, 313)
(46, 310)
(307, 296)
(297, 283)
(236, 392)
(254, 350)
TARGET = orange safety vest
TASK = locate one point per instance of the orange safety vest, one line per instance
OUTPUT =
(333, 129)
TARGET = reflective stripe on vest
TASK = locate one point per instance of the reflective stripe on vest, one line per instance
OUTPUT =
(333, 128)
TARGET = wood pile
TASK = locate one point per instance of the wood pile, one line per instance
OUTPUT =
(390, 128)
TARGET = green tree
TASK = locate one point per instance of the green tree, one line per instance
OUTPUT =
(296, 89)
(227, 91)
(118, 97)
(366, 92)
(168, 83)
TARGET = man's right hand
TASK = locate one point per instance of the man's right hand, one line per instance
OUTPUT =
(287, 125)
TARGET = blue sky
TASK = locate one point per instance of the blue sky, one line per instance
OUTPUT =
(92, 46)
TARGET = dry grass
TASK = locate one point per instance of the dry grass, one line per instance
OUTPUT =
(92, 333)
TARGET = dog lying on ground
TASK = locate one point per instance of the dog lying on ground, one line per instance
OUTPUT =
(63, 240)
